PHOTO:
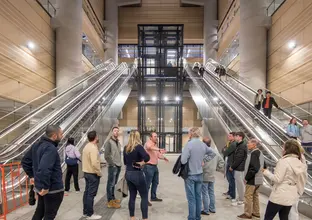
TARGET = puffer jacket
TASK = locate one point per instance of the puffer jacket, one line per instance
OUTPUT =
(240, 156)
(290, 176)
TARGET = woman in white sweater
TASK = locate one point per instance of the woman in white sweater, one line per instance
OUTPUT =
(289, 179)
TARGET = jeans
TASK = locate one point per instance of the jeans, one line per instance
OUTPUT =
(92, 186)
(239, 182)
(258, 106)
(252, 201)
(267, 112)
(272, 209)
(47, 206)
(193, 188)
(209, 200)
(307, 146)
(231, 179)
(136, 182)
(152, 178)
(113, 175)
(72, 170)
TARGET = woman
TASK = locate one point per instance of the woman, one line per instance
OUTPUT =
(293, 129)
(135, 157)
(289, 178)
(259, 99)
(72, 156)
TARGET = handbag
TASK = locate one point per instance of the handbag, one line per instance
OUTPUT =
(71, 161)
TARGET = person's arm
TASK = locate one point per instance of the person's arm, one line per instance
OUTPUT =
(153, 147)
(279, 172)
(210, 154)
(45, 168)
(254, 165)
(274, 102)
(238, 159)
(185, 154)
(263, 102)
(144, 155)
(231, 149)
(27, 163)
(77, 153)
(108, 153)
(124, 156)
(95, 162)
(288, 130)
(220, 162)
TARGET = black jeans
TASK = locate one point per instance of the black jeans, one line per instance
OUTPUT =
(267, 112)
(72, 170)
(272, 209)
(92, 186)
(112, 179)
(258, 106)
(47, 206)
(136, 182)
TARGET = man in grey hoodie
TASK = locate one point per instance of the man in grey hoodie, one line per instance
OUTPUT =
(306, 135)
(209, 170)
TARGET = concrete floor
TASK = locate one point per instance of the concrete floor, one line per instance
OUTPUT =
(171, 190)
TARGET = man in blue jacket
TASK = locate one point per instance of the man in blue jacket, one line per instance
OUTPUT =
(43, 165)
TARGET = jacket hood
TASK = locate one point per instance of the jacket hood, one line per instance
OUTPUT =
(298, 167)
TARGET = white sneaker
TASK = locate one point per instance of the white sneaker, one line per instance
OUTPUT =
(94, 216)
(240, 203)
(234, 202)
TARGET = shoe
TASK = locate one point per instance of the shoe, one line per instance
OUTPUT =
(149, 203)
(240, 203)
(234, 202)
(225, 194)
(78, 191)
(228, 197)
(84, 216)
(117, 201)
(243, 216)
(94, 216)
(204, 213)
(113, 205)
(213, 212)
(156, 200)
(255, 216)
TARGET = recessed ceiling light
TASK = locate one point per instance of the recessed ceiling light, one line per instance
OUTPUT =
(142, 98)
(154, 98)
(292, 44)
(166, 98)
(177, 98)
(30, 45)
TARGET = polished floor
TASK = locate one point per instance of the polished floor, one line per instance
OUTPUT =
(171, 190)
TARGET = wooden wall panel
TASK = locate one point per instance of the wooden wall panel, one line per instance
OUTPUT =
(86, 65)
(25, 73)
(98, 7)
(290, 70)
(161, 12)
(223, 7)
(235, 64)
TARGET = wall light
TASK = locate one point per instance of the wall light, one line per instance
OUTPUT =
(166, 98)
(154, 98)
(177, 98)
(142, 98)
(292, 44)
(30, 45)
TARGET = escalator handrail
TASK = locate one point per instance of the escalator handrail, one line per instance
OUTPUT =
(255, 92)
(56, 88)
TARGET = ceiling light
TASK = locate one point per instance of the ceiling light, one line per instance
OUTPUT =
(142, 98)
(30, 45)
(177, 98)
(154, 98)
(292, 44)
(165, 98)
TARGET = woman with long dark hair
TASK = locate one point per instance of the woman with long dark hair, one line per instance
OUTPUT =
(72, 158)
(290, 176)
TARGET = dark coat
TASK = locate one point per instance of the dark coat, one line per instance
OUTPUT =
(271, 102)
(180, 169)
(229, 152)
(240, 156)
(42, 162)
(253, 168)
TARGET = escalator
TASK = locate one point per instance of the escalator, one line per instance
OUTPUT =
(223, 110)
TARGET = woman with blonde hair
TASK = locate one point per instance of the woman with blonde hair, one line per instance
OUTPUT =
(289, 179)
(135, 157)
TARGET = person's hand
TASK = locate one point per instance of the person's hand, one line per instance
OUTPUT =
(263, 170)
(32, 181)
(230, 169)
(43, 192)
(162, 151)
(166, 159)
(245, 182)
(140, 163)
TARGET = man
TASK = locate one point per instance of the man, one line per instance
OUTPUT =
(92, 174)
(267, 104)
(151, 169)
(229, 154)
(113, 159)
(42, 164)
(238, 166)
(193, 154)
(253, 179)
(209, 169)
(306, 135)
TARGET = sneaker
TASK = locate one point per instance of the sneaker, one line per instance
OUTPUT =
(113, 205)
(156, 200)
(243, 216)
(234, 202)
(225, 194)
(94, 216)
(255, 216)
(213, 212)
(77, 192)
(84, 216)
(117, 201)
(240, 203)
(204, 213)
(228, 197)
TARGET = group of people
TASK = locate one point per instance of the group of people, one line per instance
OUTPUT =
(266, 103)
(304, 134)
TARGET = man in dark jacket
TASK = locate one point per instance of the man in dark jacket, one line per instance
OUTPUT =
(253, 179)
(43, 165)
(238, 166)
(267, 104)
(228, 154)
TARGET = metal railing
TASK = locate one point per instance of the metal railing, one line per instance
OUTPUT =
(272, 8)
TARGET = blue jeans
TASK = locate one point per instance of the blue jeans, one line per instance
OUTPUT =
(152, 178)
(307, 146)
(92, 185)
(113, 175)
(231, 179)
(136, 182)
(193, 187)
(209, 199)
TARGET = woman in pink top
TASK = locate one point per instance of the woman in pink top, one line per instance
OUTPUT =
(72, 152)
